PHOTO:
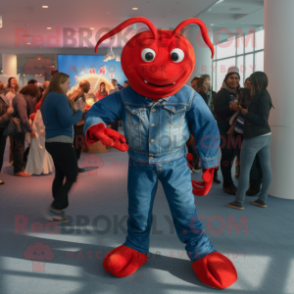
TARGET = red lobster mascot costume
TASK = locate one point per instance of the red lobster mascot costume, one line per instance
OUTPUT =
(157, 110)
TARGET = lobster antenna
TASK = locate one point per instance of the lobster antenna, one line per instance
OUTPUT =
(203, 30)
(125, 24)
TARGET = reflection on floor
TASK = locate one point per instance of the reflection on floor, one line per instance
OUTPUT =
(258, 241)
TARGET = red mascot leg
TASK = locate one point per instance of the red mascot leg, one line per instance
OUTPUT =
(124, 261)
(215, 270)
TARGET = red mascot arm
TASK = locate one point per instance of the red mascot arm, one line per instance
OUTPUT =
(108, 137)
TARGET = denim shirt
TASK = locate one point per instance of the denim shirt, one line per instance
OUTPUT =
(157, 132)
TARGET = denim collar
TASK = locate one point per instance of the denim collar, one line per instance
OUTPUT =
(159, 100)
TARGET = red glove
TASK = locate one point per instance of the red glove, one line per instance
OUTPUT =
(108, 137)
(205, 186)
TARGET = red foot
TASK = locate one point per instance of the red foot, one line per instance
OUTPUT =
(215, 270)
(123, 261)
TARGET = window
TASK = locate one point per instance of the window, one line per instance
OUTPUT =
(259, 61)
(249, 42)
(226, 49)
(259, 40)
(249, 64)
(245, 52)
(222, 67)
(240, 65)
(240, 45)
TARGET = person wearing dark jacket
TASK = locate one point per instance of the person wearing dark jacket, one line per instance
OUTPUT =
(23, 104)
(208, 95)
(225, 106)
(5, 115)
(257, 140)
(256, 173)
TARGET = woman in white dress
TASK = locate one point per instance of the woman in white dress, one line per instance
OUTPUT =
(39, 160)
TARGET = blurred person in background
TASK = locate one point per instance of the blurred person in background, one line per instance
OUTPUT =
(209, 95)
(225, 106)
(194, 82)
(117, 87)
(23, 104)
(46, 85)
(33, 82)
(247, 84)
(102, 91)
(194, 163)
(6, 112)
(79, 138)
(13, 89)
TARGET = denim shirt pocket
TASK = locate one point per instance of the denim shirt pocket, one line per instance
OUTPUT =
(135, 116)
(175, 115)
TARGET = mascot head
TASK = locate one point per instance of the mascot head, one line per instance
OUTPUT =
(158, 63)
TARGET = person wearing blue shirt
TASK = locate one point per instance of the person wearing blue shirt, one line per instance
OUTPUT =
(60, 114)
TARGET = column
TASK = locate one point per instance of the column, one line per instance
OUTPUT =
(9, 66)
(202, 51)
(278, 65)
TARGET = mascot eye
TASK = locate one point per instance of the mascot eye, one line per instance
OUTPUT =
(148, 54)
(177, 55)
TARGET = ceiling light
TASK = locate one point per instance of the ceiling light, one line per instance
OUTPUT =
(29, 43)
(135, 8)
(49, 28)
(212, 24)
(45, 6)
(91, 28)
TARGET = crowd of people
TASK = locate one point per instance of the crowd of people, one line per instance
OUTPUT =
(47, 111)
(241, 115)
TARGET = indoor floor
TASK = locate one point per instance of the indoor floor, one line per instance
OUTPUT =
(258, 241)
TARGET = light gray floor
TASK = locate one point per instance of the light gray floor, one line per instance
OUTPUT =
(262, 250)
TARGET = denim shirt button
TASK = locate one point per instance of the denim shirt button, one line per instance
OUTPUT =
(152, 140)
(153, 110)
(150, 158)
(152, 125)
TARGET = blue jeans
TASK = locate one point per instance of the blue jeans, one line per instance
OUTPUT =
(250, 148)
(175, 177)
